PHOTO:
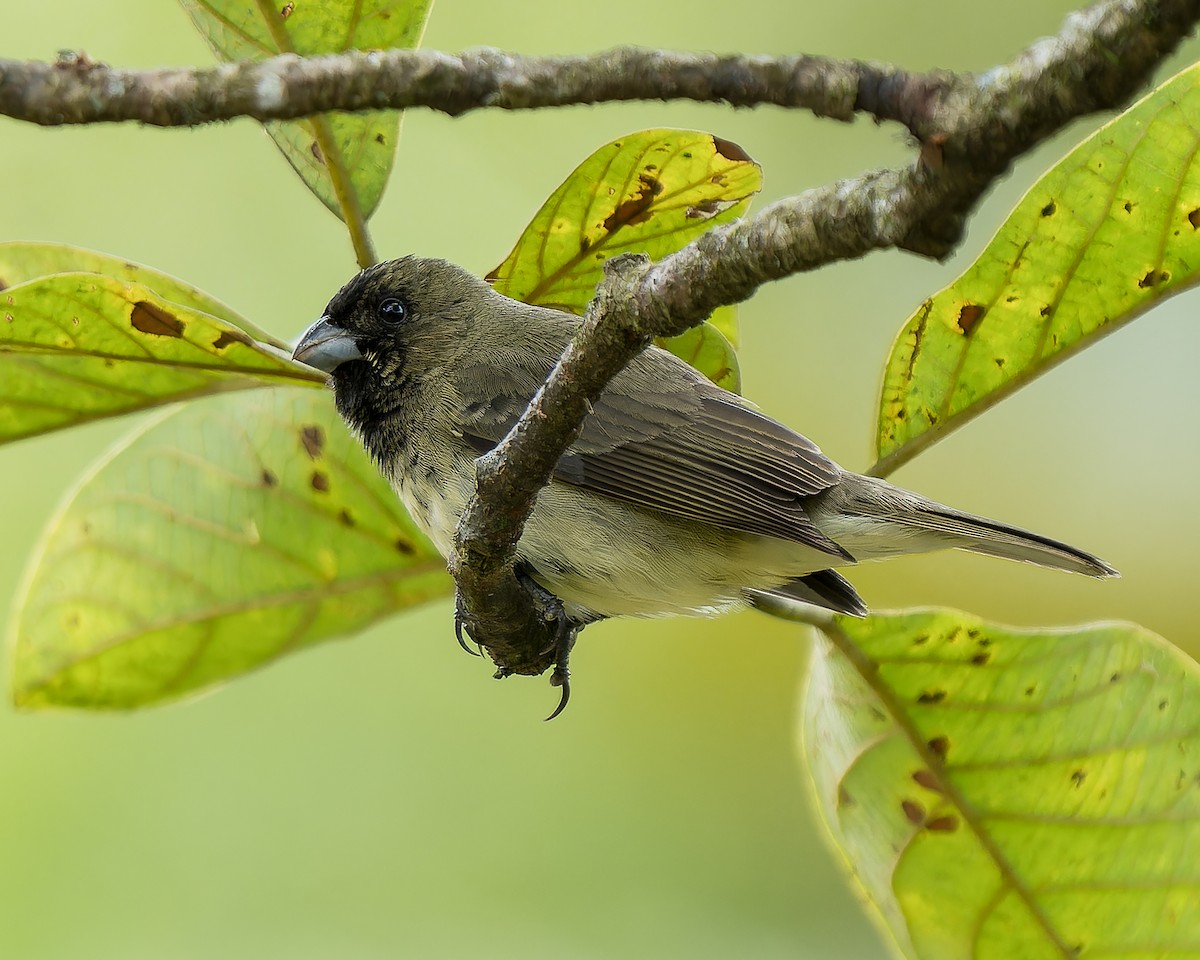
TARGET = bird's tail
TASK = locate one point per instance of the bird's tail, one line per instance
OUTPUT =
(934, 526)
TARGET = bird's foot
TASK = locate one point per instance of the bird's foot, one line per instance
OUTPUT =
(566, 630)
(460, 622)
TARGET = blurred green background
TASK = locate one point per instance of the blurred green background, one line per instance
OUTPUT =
(383, 796)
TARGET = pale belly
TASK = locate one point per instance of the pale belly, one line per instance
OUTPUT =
(601, 556)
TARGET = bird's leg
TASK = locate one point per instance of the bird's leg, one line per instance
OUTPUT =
(566, 630)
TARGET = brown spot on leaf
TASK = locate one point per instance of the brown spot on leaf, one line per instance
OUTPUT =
(946, 824)
(1194, 219)
(730, 150)
(844, 799)
(980, 659)
(347, 518)
(1046, 310)
(312, 439)
(635, 209)
(1128, 207)
(405, 547)
(928, 779)
(940, 746)
(269, 479)
(919, 639)
(1162, 704)
(151, 319)
(380, 139)
(1049, 209)
(226, 337)
(1030, 690)
(913, 811)
(1078, 776)
(320, 482)
(3, 285)
(969, 316)
(932, 696)
(317, 155)
(1149, 280)
(1115, 678)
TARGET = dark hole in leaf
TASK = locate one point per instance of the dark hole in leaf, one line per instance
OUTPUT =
(1194, 219)
(1078, 776)
(932, 696)
(269, 479)
(320, 482)
(913, 811)
(1046, 310)
(969, 316)
(405, 547)
(380, 139)
(637, 208)
(928, 780)
(1149, 280)
(981, 658)
(148, 318)
(1128, 207)
(940, 746)
(1000, 362)
(312, 438)
(1030, 690)
(703, 210)
(946, 824)
(347, 518)
(730, 150)
(226, 337)
(1048, 209)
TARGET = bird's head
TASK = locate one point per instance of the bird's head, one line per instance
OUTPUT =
(392, 325)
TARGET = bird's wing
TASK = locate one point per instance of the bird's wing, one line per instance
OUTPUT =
(662, 436)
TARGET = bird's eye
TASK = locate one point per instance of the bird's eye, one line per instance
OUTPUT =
(393, 309)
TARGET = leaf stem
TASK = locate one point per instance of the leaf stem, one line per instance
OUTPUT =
(331, 154)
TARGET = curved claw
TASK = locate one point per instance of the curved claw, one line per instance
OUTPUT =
(559, 680)
(457, 627)
(458, 633)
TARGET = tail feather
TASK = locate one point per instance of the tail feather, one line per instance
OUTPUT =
(873, 519)
(995, 539)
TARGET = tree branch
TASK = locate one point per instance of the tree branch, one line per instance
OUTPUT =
(1101, 56)
(78, 90)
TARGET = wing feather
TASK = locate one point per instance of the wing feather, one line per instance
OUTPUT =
(662, 436)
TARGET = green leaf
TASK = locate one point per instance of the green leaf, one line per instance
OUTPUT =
(1003, 793)
(21, 261)
(227, 534)
(350, 154)
(651, 192)
(1107, 233)
(706, 349)
(76, 347)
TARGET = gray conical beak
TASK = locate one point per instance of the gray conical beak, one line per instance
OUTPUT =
(326, 346)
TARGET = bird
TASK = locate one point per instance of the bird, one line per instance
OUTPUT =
(677, 498)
